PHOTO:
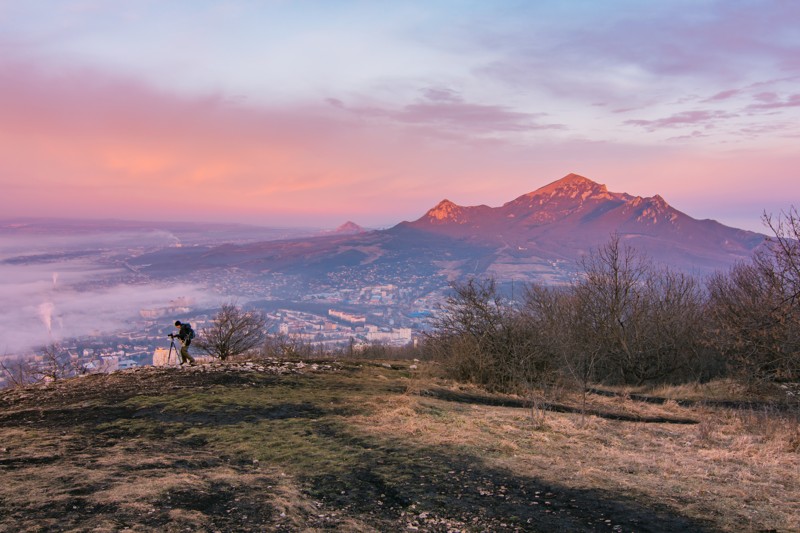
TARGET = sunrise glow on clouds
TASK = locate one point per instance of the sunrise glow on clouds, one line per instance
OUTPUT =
(312, 113)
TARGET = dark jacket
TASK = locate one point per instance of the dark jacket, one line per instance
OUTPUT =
(186, 333)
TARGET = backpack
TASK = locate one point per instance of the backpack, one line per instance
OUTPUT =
(188, 332)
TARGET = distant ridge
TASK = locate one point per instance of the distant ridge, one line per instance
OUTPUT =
(540, 235)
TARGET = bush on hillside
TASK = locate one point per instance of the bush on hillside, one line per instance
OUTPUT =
(233, 331)
(755, 308)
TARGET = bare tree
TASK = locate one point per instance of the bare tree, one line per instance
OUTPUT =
(479, 336)
(283, 346)
(609, 299)
(782, 253)
(233, 331)
(756, 306)
(672, 328)
(556, 314)
(18, 372)
(633, 322)
(55, 364)
(463, 329)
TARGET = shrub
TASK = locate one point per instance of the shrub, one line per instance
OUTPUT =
(233, 331)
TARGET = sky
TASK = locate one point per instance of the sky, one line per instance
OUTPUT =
(311, 113)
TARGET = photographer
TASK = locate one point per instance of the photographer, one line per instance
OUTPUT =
(185, 334)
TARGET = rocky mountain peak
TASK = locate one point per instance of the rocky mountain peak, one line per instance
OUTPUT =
(568, 193)
(445, 211)
(571, 185)
(659, 202)
(652, 209)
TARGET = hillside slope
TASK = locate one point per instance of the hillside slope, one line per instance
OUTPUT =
(362, 446)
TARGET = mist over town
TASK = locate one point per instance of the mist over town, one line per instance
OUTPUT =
(107, 294)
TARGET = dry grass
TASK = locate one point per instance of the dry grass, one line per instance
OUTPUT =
(739, 468)
(724, 389)
(363, 450)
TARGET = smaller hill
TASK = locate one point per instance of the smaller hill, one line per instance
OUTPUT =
(349, 228)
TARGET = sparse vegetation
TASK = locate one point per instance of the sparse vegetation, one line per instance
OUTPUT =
(53, 364)
(756, 307)
(17, 371)
(625, 321)
(480, 337)
(369, 446)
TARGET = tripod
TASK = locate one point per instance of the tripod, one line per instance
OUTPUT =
(172, 347)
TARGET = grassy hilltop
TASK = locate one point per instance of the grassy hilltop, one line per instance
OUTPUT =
(368, 446)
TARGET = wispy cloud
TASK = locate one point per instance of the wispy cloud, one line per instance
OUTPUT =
(446, 109)
(723, 95)
(771, 101)
(686, 118)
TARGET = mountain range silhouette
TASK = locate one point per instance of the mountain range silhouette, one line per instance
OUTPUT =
(539, 236)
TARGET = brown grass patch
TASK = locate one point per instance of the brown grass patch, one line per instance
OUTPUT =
(740, 468)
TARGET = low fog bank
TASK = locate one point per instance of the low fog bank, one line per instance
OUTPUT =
(55, 287)
(41, 304)
(68, 278)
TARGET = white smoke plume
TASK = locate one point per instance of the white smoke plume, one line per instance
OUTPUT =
(45, 311)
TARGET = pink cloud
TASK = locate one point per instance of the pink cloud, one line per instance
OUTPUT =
(686, 118)
(766, 97)
(80, 142)
(723, 95)
(769, 101)
(445, 107)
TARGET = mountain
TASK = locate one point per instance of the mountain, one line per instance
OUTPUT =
(349, 228)
(569, 217)
(539, 236)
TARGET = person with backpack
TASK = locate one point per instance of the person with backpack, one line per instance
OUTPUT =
(185, 334)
